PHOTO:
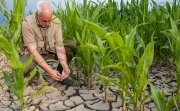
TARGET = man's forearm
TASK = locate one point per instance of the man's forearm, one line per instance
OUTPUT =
(61, 53)
(40, 60)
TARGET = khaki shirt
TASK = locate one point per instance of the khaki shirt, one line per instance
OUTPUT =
(45, 39)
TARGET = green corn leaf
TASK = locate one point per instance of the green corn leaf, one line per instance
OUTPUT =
(115, 40)
(105, 78)
(166, 33)
(101, 45)
(41, 79)
(145, 98)
(154, 93)
(168, 7)
(96, 29)
(83, 39)
(140, 44)
(131, 51)
(145, 60)
(174, 27)
(96, 12)
(123, 29)
(92, 47)
(159, 99)
(5, 45)
(129, 41)
(86, 56)
(16, 36)
(9, 83)
(78, 37)
(104, 81)
(118, 67)
(175, 100)
(97, 59)
(32, 74)
(111, 41)
(39, 92)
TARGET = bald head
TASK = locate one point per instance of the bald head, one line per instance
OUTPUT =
(44, 9)
(44, 6)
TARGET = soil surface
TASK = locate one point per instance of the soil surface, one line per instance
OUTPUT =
(73, 95)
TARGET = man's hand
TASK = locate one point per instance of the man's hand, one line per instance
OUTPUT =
(55, 75)
(65, 73)
(42, 63)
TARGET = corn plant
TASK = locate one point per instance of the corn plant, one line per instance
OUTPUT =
(15, 80)
(174, 41)
(133, 82)
(10, 48)
(85, 56)
(68, 18)
(102, 57)
(16, 84)
(162, 103)
(111, 15)
(72, 15)
(174, 9)
(134, 75)
(14, 18)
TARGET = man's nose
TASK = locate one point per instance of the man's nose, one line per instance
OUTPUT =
(46, 23)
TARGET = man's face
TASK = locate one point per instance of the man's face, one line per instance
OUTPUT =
(44, 19)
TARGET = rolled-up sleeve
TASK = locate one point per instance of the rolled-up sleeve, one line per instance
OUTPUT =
(58, 36)
(28, 35)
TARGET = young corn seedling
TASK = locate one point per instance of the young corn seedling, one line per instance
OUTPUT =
(162, 103)
(173, 36)
(102, 57)
(15, 81)
(16, 84)
(133, 82)
(85, 56)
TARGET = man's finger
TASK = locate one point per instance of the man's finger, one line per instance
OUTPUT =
(56, 78)
(65, 77)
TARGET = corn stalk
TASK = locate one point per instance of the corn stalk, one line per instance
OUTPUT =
(85, 56)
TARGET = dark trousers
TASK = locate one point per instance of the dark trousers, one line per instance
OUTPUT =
(69, 54)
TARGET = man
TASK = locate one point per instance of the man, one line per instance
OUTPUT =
(42, 36)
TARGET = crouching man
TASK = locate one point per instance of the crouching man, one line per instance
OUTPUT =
(42, 36)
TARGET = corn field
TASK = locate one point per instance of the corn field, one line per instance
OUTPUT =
(125, 39)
